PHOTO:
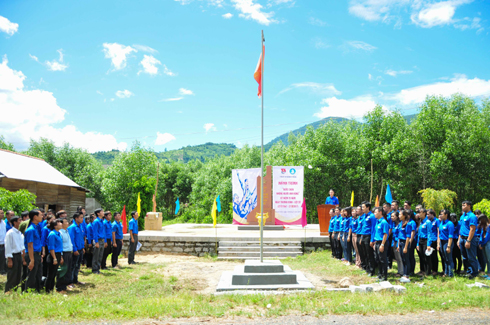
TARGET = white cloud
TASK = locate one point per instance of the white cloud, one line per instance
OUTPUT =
(320, 44)
(376, 10)
(359, 45)
(345, 108)
(290, 3)
(7, 26)
(436, 14)
(184, 2)
(32, 114)
(168, 72)
(163, 138)
(124, 93)
(316, 22)
(251, 10)
(395, 73)
(314, 87)
(227, 16)
(118, 54)
(172, 99)
(34, 57)
(144, 48)
(468, 23)
(99, 92)
(183, 91)
(459, 84)
(149, 64)
(57, 65)
(370, 77)
(209, 127)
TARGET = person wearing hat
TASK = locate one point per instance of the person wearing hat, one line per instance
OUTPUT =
(14, 253)
(64, 276)
(33, 245)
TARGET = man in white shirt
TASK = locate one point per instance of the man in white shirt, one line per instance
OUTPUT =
(14, 253)
(3, 232)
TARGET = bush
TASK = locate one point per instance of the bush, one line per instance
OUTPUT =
(483, 206)
(19, 201)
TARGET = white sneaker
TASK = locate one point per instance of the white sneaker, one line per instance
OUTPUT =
(404, 279)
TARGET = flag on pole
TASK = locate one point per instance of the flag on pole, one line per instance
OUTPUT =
(304, 221)
(213, 213)
(124, 224)
(138, 205)
(258, 71)
(388, 197)
(352, 199)
(177, 206)
(377, 201)
(218, 204)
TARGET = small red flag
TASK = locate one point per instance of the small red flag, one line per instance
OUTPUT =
(123, 217)
(258, 71)
(304, 221)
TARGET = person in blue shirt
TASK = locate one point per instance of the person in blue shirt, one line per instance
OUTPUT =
(133, 235)
(89, 246)
(404, 236)
(44, 239)
(55, 249)
(117, 239)
(98, 234)
(8, 225)
(78, 242)
(468, 241)
(345, 235)
(108, 237)
(432, 260)
(336, 234)
(330, 230)
(83, 227)
(484, 243)
(422, 238)
(63, 282)
(354, 229)
(33, 245)
(367, 229)
(389, 255)
(445, 243)
(413, 240)
(479, 252)
(457, 261)
(380, 237)
(396, 221)
(332, 199)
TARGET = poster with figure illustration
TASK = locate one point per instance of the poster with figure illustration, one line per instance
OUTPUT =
(244, 193)
(288, 186)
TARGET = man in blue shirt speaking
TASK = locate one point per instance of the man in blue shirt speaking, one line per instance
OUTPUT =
(332, 199)
(468, 242)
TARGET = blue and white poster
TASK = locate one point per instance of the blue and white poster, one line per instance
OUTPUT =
(244, 193)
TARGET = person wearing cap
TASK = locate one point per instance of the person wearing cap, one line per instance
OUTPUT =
(78, 242)
(55, 257)
(99, 240)
(467, 241)
(65, 279)
(108, 237)
(33, 246)
(3, 233)
(117, 239)
(14, 254)
(133, 235)
(331, 199)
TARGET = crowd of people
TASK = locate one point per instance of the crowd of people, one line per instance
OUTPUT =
(371, 239)
(45, 251)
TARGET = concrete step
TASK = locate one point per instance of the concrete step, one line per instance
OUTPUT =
(255, 243)
(234, 258)
(257, 254)
(257, 249)
(263, 278)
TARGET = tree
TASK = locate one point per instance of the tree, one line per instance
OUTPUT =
(18, 201)
(5, 145)
(438, 200)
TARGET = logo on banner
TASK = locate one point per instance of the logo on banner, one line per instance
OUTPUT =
(283, 170)
(292, 171)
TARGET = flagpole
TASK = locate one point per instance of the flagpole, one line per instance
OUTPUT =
(262, 156)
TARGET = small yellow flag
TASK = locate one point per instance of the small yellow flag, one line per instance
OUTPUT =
(352, 199)
(138, 205)
(213, 213)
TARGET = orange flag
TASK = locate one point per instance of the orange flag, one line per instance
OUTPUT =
(377, 201)
(123, 217)
(258, 71)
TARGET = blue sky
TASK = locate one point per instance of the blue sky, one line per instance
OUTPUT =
(101, 74)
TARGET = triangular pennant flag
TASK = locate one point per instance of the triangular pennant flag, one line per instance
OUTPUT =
(258, 71)
(177, 206)
(388, 197)
(124, 223)
(377, 201)
(138, 205)
(213, 213)
(352, 199)
(304, 221)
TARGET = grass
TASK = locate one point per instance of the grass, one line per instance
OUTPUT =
(143, 291)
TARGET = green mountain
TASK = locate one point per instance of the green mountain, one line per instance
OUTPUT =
(201, 152)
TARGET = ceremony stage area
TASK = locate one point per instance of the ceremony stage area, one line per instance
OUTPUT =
(200, 239)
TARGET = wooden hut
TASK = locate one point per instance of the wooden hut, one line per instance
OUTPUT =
(53, 190)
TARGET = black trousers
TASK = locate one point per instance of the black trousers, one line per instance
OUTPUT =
(381, 260)
(14, 273)
(107, 251)
(389, 251)
(367, 253)
(457, 263)
(65, 280)
(411, 254)
(132, 249)
(115, 252)
(3, 265)
(45, 263)
(52, 271)
(432, 261)
(34, 276)
(424, 265)
(89, 256)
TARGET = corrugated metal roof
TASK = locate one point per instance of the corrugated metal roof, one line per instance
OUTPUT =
(18, 166)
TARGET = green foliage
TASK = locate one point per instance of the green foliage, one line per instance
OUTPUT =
(18, 201)
(483, 206)
(438, 200)
(5, 145)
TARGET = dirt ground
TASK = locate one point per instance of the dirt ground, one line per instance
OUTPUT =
(203, 276)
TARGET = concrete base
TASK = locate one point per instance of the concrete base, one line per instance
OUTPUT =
(257, 227)
(240, 279)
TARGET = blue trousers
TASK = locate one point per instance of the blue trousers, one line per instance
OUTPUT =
(405, 258)
(448, 258)
(346, 246)
(469, 255)
(76, 261)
